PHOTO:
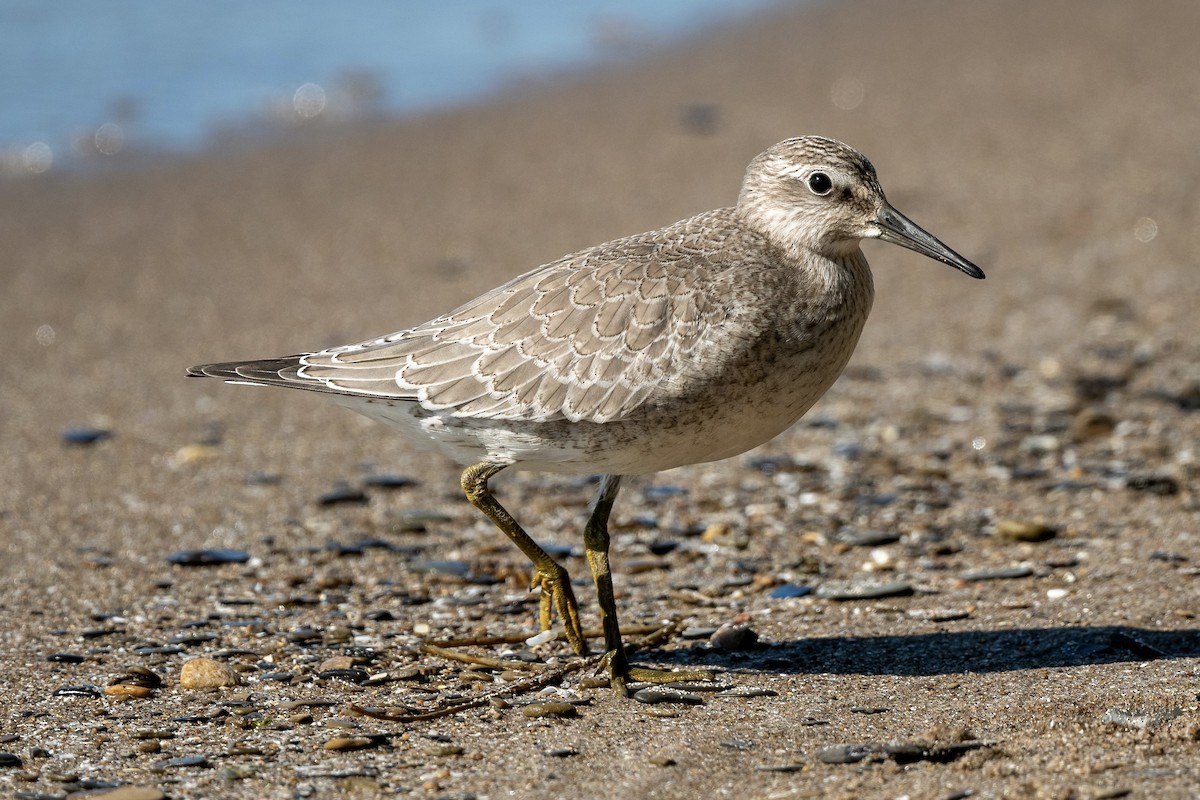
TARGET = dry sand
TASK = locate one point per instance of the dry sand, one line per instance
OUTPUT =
(1054, 143)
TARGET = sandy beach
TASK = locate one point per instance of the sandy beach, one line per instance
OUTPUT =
(1006, 474)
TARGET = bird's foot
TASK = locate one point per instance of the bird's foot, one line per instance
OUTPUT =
(557, 596)
(620, 673)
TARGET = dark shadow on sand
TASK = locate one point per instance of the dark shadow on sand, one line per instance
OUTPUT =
(952, 652)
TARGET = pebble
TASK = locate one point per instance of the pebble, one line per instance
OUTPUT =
(205, 673)
(128, 690)
(864, 591)
(349, 675)
(845, 753)
(83, 690)
(540, 710)
(1018, 531)
(997, 574)
(786, 591)
(1123, 718)
(339, 743)
(655, 695)
(1163, 485)
(697, 632)
(10, 760)
(208, 557)
(784, 768)
(561, 752)
(938, 614)
(732, 638)
(181, 761)
(66, 658)
(343, 494)
(854, 538)
(737, 744)
(195, 453)
(84, 435)
(387, 480)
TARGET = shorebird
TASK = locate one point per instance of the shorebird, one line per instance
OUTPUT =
(690, 343)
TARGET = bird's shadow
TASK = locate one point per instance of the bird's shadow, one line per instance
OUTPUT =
(945, 653)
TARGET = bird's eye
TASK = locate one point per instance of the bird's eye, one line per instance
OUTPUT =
(820, 184)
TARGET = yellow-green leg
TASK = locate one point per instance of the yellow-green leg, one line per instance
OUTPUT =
(548, 574)
(596, 542)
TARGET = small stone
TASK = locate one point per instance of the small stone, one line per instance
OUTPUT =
(84, 435)
(208, 557)
(1091, 424)
(938, 614)
(386, 480)
(787, 591)
(783, 768)
(181, 762)
(83, 690)
(351, 675)
(845, 753)
(195, 453)
(539, 710)
(997, 574)
(864, 591)
(343, 494)
(655, 695)
(1019, 531)
(151, 746)
(339, 743)
(127, 690)
(731, 638)
(1163, 485)
(1123, 718)
(561, 752)
(205, 673)
(10, 760)
(339, 662)
(662, 761)
(854, 538)
(66, 658)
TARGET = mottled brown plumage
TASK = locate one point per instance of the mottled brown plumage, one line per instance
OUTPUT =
(690, 343)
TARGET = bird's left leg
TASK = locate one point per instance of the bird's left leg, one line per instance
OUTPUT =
(596, 542)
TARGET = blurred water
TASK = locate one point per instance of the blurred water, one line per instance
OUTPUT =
(83, 79)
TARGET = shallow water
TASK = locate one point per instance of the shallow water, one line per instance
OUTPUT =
(83, 79)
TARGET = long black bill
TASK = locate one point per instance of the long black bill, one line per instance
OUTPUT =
(898, 229)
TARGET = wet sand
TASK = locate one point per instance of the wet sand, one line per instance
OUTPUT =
(1052, 143)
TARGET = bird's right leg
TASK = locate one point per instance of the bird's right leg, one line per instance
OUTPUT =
(549, 575)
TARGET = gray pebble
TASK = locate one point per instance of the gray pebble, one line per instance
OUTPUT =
(997, 574)
(660, 694)
(1123, 718)
(845, 753)
(84, 435)
(1163, 485)
(855, 538)
(181, 761)
(10, 760)
(343, 494)
(864, 591)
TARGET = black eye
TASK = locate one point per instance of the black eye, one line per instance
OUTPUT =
(820, 183)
